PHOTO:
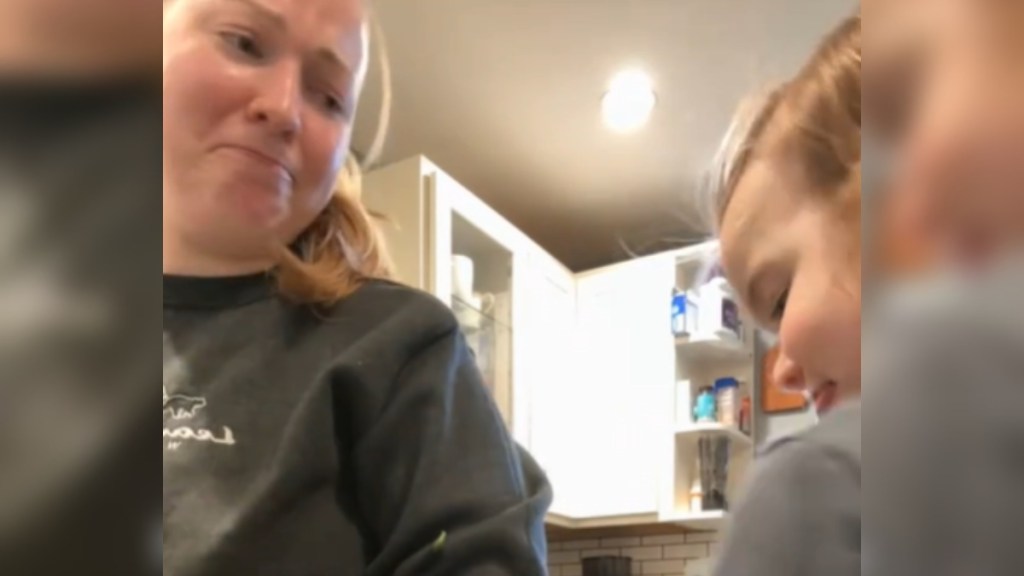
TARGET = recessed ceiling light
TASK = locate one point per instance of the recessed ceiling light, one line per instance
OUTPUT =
(629, 101)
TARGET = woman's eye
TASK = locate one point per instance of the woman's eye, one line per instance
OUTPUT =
(244, 44)
(780, 306)
(334, 105)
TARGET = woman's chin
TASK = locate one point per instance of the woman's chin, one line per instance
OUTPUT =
(264, 210)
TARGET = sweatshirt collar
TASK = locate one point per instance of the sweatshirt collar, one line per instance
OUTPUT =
(192, 292)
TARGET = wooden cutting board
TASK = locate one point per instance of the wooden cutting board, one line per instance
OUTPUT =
(775, 399)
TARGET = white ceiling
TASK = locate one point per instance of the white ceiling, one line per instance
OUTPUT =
(505, 96)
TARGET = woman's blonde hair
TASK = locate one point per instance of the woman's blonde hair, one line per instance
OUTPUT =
(343, 248)
(813, 118)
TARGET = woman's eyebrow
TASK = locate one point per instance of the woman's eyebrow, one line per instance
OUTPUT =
(325, 55)
(271, 17)
(331, 59)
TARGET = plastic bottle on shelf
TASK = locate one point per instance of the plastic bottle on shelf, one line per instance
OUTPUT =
(704, 410)
(679, 314)
(721, 314)
(696, 496)
(727, 400)
(746, 415)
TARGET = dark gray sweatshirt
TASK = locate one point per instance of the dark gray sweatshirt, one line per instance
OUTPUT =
(358, 440)
(800, 514)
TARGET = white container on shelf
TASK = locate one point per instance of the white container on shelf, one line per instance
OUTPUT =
(720, 315)
(463, 276)
(727, 401)
(692, 312)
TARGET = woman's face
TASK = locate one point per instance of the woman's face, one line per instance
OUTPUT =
(795, 262)
(259, 104)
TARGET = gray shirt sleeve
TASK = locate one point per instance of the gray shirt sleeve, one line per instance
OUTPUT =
(800, 516)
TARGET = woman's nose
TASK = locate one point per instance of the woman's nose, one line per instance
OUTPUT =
(279, 103)
(788, 375)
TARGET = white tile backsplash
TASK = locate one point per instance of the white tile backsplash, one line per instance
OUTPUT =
(619, 542)
(643, 553)
(662, 567)
(702, 537)
(564, 557)
(599, 552)
(687, 551)
(662, 540)
(580, 544)
(668, 555)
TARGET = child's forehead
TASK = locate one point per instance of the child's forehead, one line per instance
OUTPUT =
(764, 201)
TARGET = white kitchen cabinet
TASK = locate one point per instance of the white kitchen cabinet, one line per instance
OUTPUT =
(521, 337)
(547, 372)
(584, 367)
(622, 406)
(430, 219)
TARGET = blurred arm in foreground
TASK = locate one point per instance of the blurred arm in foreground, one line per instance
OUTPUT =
(946, 354)
(65, 37)
(79, 217)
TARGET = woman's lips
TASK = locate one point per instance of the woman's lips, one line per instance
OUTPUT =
(265, 159)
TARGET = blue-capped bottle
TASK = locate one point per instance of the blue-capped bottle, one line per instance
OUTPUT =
(679, 310)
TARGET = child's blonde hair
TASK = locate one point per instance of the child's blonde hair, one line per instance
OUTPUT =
(814, 118)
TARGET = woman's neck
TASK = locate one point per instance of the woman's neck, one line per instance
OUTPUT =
(181, 259)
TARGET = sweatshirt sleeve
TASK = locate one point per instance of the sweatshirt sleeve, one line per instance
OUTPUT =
(799, 517)
(443, 488)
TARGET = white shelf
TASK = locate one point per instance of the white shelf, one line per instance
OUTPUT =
(701, 358)
(698, 521)
(705, 428)
(711, 349)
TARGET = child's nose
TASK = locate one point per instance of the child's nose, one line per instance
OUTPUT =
(789, 375)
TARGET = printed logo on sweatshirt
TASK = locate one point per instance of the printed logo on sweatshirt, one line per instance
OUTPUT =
(183, 414)
(181, 407)
(179, 413)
